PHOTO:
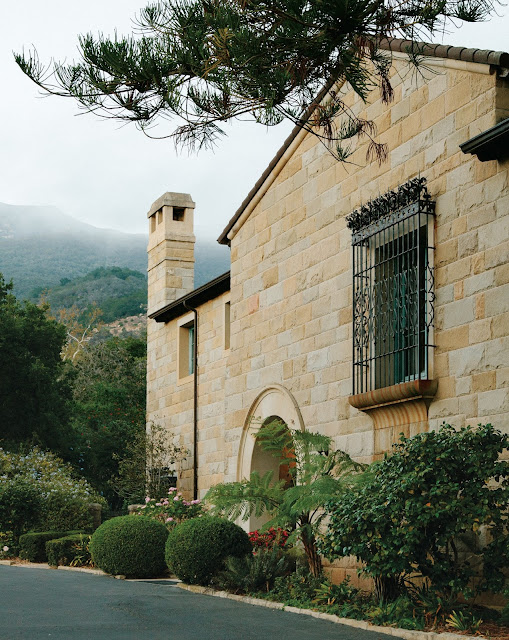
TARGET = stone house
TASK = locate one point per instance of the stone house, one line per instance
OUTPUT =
(364, 300)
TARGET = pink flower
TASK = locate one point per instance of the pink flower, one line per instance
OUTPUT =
(147, 499)
(158, 504)
(169, 519)
(195, 502)
(172, 489)
(176, 499)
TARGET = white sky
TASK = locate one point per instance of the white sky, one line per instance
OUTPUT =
(107, 174)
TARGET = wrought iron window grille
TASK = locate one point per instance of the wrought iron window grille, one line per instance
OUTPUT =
(393, 287)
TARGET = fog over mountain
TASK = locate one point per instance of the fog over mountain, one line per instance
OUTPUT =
(40, 245)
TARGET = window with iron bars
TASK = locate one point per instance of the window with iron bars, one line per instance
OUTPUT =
(393, 292)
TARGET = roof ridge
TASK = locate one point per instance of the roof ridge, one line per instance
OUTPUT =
(466, 54)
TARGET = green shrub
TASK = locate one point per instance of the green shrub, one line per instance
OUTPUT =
(254, 572)
(64, 551)
(63, 511)
(130, 545)
(20, 506)
(297, 589)
(32, 545)
(436, 506)
(8, 545)
(39, 491)
(196, 550)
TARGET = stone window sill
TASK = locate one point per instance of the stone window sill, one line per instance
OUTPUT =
(395, 394)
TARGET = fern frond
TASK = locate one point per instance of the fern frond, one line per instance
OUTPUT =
(255, 496)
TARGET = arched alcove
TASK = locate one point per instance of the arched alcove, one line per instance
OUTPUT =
(273, 403)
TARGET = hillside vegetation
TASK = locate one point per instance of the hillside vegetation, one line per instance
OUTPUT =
(118, 292)
(41, 246)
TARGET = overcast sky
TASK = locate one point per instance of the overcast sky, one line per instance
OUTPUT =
(107, 174)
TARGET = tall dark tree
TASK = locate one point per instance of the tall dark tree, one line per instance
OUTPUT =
(34, 397)
(207, 62)
(109, 390)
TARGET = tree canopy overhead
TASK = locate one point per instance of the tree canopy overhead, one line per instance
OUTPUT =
(207, 62)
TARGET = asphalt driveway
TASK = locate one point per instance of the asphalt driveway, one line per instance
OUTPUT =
(64, 605)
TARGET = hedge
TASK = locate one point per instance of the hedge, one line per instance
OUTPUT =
(32, 546)
(63, 551)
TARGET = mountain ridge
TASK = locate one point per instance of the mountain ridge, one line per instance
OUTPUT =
(40, 245)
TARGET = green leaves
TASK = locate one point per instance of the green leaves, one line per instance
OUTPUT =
(33, 395)
(203, 64)
(425, 507)
(315, 473)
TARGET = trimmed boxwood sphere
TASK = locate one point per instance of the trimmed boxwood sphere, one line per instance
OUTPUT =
(132, 546)
(196, 549)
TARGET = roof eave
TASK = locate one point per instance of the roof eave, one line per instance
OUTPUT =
(492, 144)
(195, 298)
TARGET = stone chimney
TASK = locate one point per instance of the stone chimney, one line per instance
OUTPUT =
(170, 249)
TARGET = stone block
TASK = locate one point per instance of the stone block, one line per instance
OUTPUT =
(463, 386)
(497, 353)
(490, 235)
(497, 301)
(467, 361)
(485, 381)
(444, 409)
(480, 282)
(480, 331)
(493, 402)
(458, 313)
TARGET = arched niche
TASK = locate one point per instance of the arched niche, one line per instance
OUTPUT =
(273, 403)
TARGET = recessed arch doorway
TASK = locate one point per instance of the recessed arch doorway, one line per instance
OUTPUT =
(274, 403)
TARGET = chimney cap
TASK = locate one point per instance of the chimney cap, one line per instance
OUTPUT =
(171, 199)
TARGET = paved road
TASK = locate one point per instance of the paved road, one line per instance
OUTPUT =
(65, 605)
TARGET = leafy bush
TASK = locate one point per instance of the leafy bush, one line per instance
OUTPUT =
(64, 551)
(20, 506)
(252, 573)
(297, 589)
(328, 593)
(32, 546)
(196, 550)
(66, 512)
(171, 510)
(130, 546)
(423, 511)
(39, 491)
(8, 545)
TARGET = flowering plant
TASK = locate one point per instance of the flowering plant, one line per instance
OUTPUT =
(171, 510)
(272, 538)
(7, 545)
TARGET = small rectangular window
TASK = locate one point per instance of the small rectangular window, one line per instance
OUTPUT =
(178, 213)
(190, 350)
(227, 325)
(185, 349)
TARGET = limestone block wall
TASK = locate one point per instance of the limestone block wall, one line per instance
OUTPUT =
(170, 400)
(291, 293)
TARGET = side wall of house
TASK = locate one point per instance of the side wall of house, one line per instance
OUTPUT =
(291, 294)
(170, 399)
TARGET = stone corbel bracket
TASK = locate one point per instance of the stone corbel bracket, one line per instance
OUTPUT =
(400, 408)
